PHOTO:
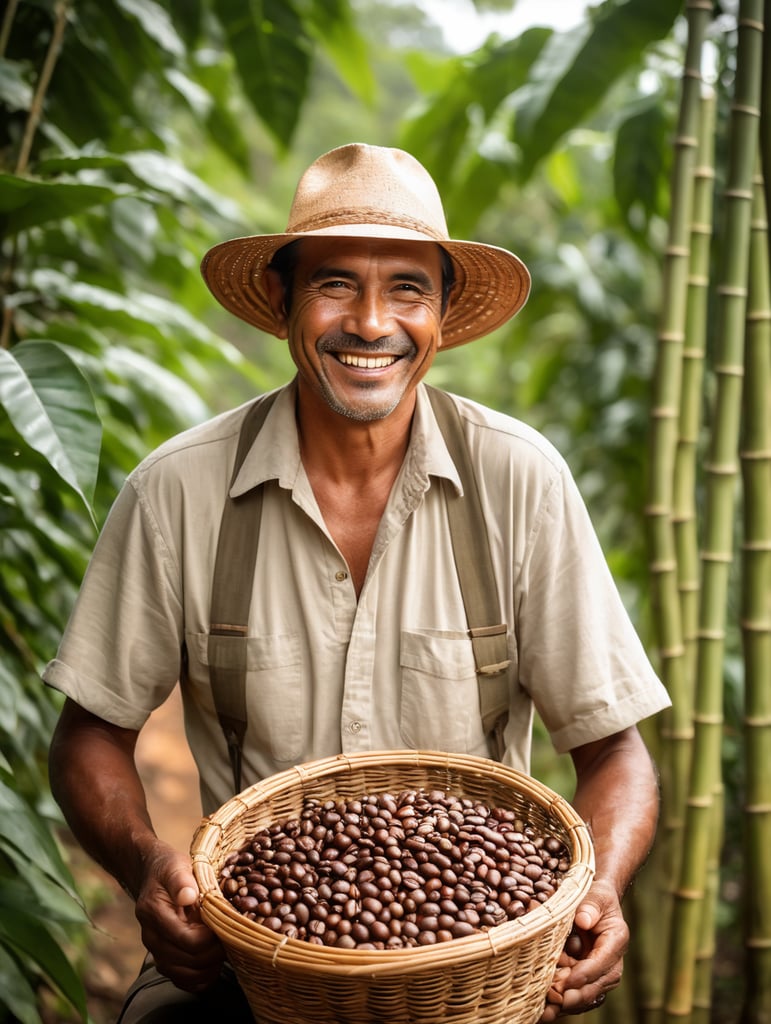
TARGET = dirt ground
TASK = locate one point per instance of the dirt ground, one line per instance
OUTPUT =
(115, 953)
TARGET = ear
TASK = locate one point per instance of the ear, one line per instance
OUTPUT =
(274, 291)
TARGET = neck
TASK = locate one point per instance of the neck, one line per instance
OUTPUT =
(347, 450)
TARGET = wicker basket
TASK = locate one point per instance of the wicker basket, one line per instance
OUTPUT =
(498, 976)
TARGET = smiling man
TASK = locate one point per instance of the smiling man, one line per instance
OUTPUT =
(354, 634)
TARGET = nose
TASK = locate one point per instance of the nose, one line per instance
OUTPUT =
(369, 316)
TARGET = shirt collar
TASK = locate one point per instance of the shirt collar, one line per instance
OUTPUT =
(280, 460)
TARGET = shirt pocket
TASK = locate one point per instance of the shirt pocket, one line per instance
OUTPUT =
(440, 692)
(275, 704)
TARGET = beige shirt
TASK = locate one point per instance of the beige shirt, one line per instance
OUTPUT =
(328, 673)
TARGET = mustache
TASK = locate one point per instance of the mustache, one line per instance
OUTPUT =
(398, 344)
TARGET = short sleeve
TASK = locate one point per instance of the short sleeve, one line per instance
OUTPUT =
(581, 659)
(120, 654)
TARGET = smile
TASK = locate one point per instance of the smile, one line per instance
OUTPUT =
(366, 362)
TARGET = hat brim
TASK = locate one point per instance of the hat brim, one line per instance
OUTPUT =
(492, 284)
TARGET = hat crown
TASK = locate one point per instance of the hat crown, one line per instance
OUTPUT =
(358, 184)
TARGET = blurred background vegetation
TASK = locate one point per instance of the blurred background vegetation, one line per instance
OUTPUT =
(136, 133)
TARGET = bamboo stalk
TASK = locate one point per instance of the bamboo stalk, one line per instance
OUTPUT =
(756, 624)
(765, 117)
(676, 727)
(692, 391)
(717, 555)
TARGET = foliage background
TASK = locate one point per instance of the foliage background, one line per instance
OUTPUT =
(135, 133)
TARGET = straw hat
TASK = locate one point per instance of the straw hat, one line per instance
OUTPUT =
(373, 192)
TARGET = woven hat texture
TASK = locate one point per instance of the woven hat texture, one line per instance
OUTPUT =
(373, 192)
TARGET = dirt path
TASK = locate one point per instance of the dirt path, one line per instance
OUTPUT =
(171, 780)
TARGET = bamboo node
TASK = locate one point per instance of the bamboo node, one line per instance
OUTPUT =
(759, 316)
(756, 626)
(757, 545)
(688, 141)
(693, 353)
(702, 718)
(757, 808)
(757, 720)
(711, 634)
(688, 894)
(675, 336)
(759, 454)
(663, 566)
(721, 468)
(752, 23)
(656, 510)
(677, 250)
(676, 651)
(738, 193)
(730, 369)
(716, 556)
(757, 943)
(736, 290)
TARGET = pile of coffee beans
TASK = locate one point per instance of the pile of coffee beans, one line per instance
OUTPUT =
(393, 870)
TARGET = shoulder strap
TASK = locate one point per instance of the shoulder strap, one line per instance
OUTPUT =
(473, 561)
(232, 586)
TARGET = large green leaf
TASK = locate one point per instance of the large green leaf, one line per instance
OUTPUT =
(26, 202)
(642, 158)
(49, 402)
(23, 930)
(16, 993)
(577, 69)
(332, 21)
(447, 130)
(155, 23)
(26, 839)
(272, 49)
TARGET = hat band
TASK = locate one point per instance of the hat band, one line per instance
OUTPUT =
(364, 216)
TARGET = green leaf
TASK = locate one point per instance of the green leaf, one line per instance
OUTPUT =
(640, 161)
(272, 50)
(27, 841)
(578, 68)
(16, 993)
(27, 934)
(445, 133)
(333, 23)
(155, 23)
(25, 202)
(49, 402)
(15, 91)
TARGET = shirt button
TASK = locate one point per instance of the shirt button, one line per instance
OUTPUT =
(341, 575)
(354, 727)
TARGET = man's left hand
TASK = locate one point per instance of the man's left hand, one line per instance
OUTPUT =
(592, 962)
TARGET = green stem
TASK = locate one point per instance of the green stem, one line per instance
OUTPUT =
(721, 476)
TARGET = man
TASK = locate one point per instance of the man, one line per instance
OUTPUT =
(357, 635)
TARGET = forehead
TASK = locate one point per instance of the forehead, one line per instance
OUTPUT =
(392, 254)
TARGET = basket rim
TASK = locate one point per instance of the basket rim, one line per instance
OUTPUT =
(251, 937)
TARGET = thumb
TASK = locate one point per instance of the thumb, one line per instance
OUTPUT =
(587, 915)
(181, 885)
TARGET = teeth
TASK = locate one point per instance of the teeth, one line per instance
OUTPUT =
(366, 362)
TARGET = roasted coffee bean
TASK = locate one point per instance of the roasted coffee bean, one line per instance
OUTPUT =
(392, 871)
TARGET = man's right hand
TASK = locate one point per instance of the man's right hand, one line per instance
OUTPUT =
(184, 949)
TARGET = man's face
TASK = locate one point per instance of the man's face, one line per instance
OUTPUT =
(364, 322)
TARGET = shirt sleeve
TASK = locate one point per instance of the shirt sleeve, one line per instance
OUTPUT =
(120, 654)
(581, 659)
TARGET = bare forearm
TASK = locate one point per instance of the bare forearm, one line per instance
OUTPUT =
(617, 795)
(95, 782)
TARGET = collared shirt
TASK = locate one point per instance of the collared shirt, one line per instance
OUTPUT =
(327, 672)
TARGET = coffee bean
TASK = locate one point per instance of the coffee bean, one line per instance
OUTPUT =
(393, 871)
